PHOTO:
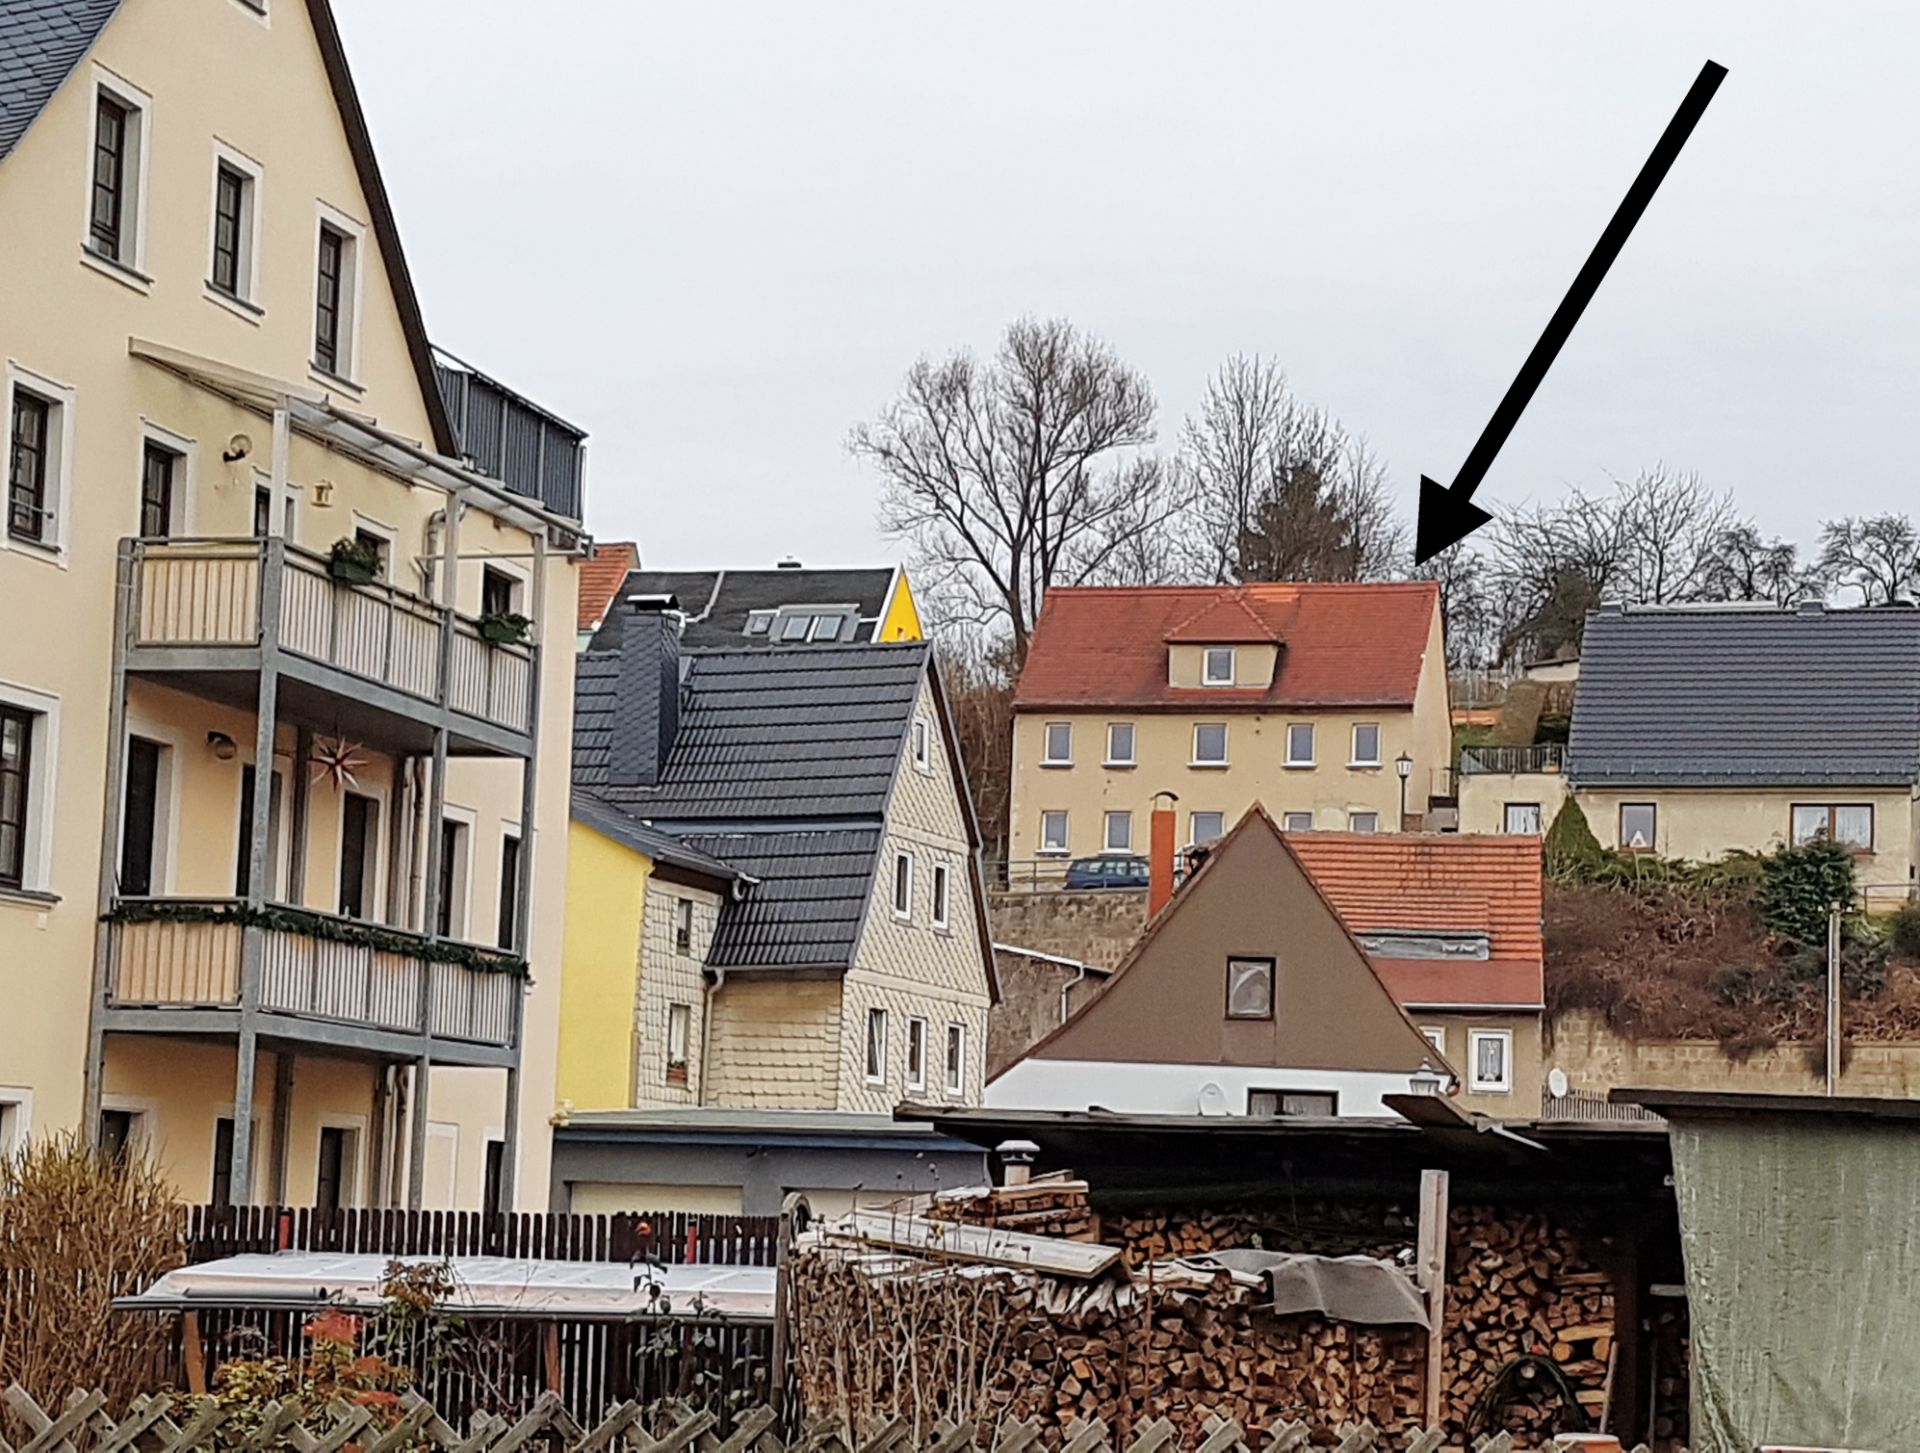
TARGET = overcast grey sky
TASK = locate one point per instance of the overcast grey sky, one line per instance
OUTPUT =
(717, 234)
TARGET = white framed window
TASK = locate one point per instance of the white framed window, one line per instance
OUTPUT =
(1216, 667)
(942, 895)
(233, 254)
(1119, 832)
(378, 537)
(169, 470)
(683, 925)
(29, 750)
(876, 1067)
(916, 1054)
(16, 1119)
(1205, 827)
(1249, 988)
(956, 1059)
(1363, 822)
(1282, 1104)
(1299, 744)
(1058, 748)
(1209, 744)
(679, 1033)
(922, 744)
(338, 246)
(39, 462)
(1053, 831)
(456, 873)
(1366, 744)
(826, 628)
(1436, 1036)
(1120, 744)
(903, 885)
(1521, 817)
(1639, 826)
(1296, 822)
(115, 237)
(1490, 1053)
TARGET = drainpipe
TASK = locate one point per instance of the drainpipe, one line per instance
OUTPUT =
(706, 1033)
(1066, 991)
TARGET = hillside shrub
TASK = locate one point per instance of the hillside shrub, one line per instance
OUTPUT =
(1572, 851)
(1798, 888)
(1904, 929)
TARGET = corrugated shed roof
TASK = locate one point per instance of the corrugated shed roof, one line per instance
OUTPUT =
(810, 733)
(41, 41)
(717, 602)
(601, 575)
(809, 905)
(1340, 645)
(1763, 696)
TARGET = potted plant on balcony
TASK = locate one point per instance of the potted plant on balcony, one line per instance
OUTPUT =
(353, 561)
(505, 628)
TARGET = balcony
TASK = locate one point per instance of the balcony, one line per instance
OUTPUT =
(322, 978)
(1486, 761)
(221, 607)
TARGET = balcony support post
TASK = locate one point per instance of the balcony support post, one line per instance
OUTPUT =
(259, 858)
(297, 826)
(417, 1134)
(522, 887)
(116, 765)
(282, 1126)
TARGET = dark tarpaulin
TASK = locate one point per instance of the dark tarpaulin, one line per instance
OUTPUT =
(1358, 1289)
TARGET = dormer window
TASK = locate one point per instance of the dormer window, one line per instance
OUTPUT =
(1217, 668)
(795, 628)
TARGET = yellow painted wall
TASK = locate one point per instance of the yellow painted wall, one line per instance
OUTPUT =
(1528, 1074)
(1484, 797)
(902, 622)
(216, 73)
(605, 895)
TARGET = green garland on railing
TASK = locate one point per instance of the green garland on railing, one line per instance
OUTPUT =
(323, 926)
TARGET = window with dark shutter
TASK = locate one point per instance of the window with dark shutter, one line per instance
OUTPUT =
(106, 223)
(327, 299)
(156, 491)
(27, 466)
(16, 768)
(229, 212)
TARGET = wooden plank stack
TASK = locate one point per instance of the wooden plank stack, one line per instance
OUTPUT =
(1049, 1206)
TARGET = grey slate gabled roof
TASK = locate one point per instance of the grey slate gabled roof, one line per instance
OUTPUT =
(1747, 697)
(41, 41)
(808, 734)
(808, 905)
(717, 602)
(662, 847)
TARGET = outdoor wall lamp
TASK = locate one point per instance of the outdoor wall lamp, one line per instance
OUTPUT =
(222, 746)
(1425, 1080)
(1403, 764)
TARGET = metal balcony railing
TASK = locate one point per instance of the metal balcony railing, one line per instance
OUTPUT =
(209, 593)
(188, 953)
(1540, 757)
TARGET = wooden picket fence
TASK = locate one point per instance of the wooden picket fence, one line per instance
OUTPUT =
(164, 1424)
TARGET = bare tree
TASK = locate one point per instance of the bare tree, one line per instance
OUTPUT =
(1668, 526)
(1877, 555)
(1279, 489)
(1745, 566)
(1010, 476)
(1467, 614)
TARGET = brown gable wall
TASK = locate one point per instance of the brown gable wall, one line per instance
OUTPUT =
(1167, 1003)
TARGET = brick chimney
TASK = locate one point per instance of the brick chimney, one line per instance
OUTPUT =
(647, 695)
(1160, 840)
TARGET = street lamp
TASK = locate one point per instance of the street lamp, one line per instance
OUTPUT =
(1426, 1080)
(1403, 764)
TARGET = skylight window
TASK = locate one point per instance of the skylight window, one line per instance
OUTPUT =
(795, 628)
(759, 622)
(826, 628)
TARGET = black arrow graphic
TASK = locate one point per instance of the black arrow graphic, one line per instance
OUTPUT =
(1448, 515)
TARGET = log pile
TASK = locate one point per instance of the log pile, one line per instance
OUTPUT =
(1048, 1206)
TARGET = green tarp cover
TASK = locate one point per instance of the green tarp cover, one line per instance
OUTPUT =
(1802, 1242)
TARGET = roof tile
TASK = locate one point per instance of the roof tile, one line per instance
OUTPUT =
(41, 41)
(601, 575)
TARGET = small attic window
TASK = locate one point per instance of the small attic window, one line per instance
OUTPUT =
(1217, 669)
(795, 628)
(759, 622)
(826, 628)
(1249, 988)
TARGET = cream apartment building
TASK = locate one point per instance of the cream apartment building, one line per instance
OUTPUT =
(1325, 703)
(1703, 730)
(284, 715)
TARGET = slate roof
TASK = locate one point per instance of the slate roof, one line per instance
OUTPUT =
(806, 734)
(1708, 697)
(807, 908)
(1340, 644)
(662, 847)
(41, 41)
(717, 602)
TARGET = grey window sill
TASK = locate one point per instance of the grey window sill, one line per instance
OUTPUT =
(28, 897)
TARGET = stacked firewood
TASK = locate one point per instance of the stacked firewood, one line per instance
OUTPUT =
(1050, 1206)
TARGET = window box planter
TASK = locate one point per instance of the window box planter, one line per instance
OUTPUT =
(352, 563)
(505, 628)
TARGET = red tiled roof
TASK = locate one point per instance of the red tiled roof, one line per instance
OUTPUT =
(1340, 645)
(601, 574)
(1421, 881)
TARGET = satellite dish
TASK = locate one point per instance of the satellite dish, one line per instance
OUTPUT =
(1557, 1083)
(1213, 1099)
